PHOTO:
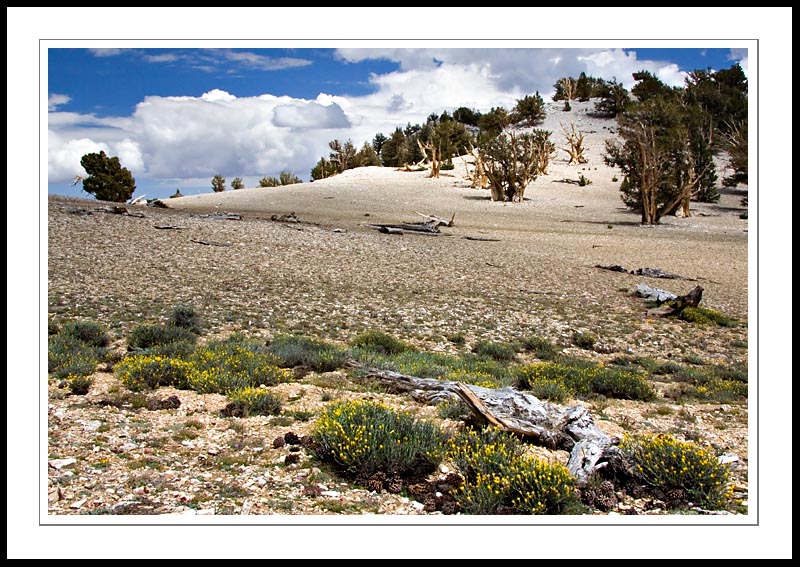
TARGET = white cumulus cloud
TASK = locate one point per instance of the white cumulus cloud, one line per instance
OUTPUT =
(56, 100)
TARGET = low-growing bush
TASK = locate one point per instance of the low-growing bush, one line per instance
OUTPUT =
(365, 437)
(252, 401)
(185, 317)
(704, 316)
(91, 333)
(321, 356)
(583, 381)
(148, 372)
(79, 385)
(496, 351)
(452, 408)
(665, 463)
(380, 342)
(68, 356)
(584, 340)
(500, 479)
(541, 348)
(150, 335)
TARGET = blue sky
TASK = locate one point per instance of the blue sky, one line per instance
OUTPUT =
(176, 116)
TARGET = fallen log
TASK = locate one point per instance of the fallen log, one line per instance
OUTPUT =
(430, 228)
(691, 299)
(480, 239)
(438, 220)
(209, 242)
(168, 227)
(567, 428)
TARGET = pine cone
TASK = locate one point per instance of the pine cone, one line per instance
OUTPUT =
(291, 438)
(395, 485)
(278, 442)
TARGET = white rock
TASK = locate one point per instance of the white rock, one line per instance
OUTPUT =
(444, 469)
(419, 506)
(261, 481)
(331, 493)
(206, 512)
(61, 463)
(78, 504)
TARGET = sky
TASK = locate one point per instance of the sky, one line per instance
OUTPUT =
(177, 116)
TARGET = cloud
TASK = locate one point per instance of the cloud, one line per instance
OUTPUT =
(216, 60)
(309, 115)
(739, 55)
(105, 51)
(262, 62)
(56, 100)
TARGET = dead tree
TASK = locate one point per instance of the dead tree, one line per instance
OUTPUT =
(478, 174)
(575, 141)
(433, 155)
(570, 429)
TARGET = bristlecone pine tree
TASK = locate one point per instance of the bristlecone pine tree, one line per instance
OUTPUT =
(511, 163)
(107, 180)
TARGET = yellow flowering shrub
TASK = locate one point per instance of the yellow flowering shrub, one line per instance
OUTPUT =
(149, 371)
(253, 401)
(364, 437)
(500, 479)
(666, 463)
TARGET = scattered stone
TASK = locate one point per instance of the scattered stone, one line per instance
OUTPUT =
(59, 464)
(77, 505)
(206, 512)
(172, 402)
(331, 493)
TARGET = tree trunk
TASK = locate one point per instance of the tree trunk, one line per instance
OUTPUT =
(555, 427)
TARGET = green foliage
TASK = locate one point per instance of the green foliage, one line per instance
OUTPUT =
(668, 464)
(91, 333)
(735, 143)
(496, 351)
(185, 317)
(367, 156)
(453, 408)
(67, 356)
(149, 371)
(530, 108)
(470, 369)
(396, 151)
(79, 385)
(218, 183)
(493, 123)
(293, 350)
(237, 183)
(584, 340)
(614, 98)
(540, 347)
(107, 180)
(224, 366)
(704, 316)
(176, 194)
(582, 381)
(253, 401)
(467, 116)
(147, 336)
(457, 338)
(364, 437)
(500, 479)
(379, 342)
(583, 181)
(664, 156)
(272, 181)
(288, 178)
(648, 86)
(511, 162)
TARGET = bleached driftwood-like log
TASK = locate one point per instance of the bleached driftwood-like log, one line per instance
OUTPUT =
(555, 427)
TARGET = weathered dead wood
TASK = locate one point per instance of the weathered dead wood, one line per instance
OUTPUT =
(555, 427)
(290, 218)
(438, 220)
(480, 239)
(691, 299)
(429, 228)
(646, 272)
(168, 227)
(575, 140)
(209, 242)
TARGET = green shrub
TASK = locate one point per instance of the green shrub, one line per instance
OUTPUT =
(148, 336)
(91, 333)
(364, 437)
(253, 401)
(583, 340)
(148, 372)
(319, 355)
(582, 381)
(177, 349)
(452, 408)
(469, 368)
(583, 181)
(703, 316)
(185, 317)
(67, 356)
(222, 367)
(380, 342)
(549, 389)
(458, 338)
(79, 385)
(500, 479)
(541, 348)
(495, 351)
(668, 464)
